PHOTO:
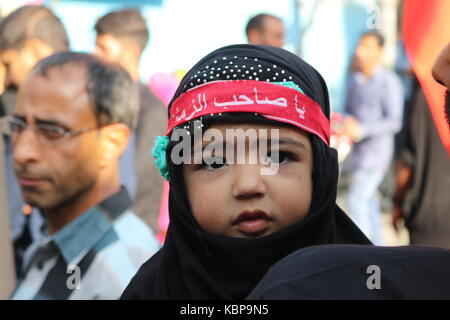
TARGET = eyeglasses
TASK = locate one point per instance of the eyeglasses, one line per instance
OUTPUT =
(14, 126)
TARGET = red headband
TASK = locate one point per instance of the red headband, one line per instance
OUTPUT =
(273, 101)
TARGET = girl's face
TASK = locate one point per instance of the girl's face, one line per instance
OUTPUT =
(243, 200)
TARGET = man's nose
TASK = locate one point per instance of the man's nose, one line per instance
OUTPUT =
(26, 147)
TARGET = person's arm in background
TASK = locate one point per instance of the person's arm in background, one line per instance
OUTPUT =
(404, 175)
(351, 126)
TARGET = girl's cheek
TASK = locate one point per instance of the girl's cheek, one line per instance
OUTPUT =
(206, 215)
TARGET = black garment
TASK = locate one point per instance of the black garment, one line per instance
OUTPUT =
(427, 206)
(194, 264)
(151, 123)
(351, 271)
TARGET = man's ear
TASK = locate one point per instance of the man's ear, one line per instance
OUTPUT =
(114, 142)
(37, 48)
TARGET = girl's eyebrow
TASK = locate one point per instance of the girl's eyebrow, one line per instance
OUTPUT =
(294, 142)
(281, 141)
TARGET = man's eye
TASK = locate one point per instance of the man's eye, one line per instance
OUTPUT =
(51, 133)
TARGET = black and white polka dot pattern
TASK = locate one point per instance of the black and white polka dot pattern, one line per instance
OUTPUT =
(233, 68)
(238, 68)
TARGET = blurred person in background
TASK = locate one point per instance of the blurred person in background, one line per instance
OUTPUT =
(422, 187)
(265, 29)
(27, 35)
(374, 103)
(121, 38)
(72, 122)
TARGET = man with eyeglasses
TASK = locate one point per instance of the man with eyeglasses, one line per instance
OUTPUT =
(27, 35)
(72, 121)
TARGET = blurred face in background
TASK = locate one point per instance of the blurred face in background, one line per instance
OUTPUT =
(272, 33)
(368, 54)
(108, 48)
(19, 62)
(119, 51)
(17, 65)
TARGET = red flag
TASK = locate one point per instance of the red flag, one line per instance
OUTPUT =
(426, 31)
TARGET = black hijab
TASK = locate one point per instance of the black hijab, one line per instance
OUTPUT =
(194, 264)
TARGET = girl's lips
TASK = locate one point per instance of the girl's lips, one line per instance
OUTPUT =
(252, 223)
(253, 228)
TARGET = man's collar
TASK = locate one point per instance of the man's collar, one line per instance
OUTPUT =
(82, 234)
(117, 204)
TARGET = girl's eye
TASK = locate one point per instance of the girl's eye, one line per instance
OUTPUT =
(278, 158)
(214, 163)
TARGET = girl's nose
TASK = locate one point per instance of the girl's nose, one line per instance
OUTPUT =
(248, 181)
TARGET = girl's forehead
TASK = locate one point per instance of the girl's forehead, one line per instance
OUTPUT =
(265, 129)
(255, 125)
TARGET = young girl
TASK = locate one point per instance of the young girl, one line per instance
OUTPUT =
(229, 223)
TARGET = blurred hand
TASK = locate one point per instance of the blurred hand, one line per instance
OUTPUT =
(397, 217)
(353, 129)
